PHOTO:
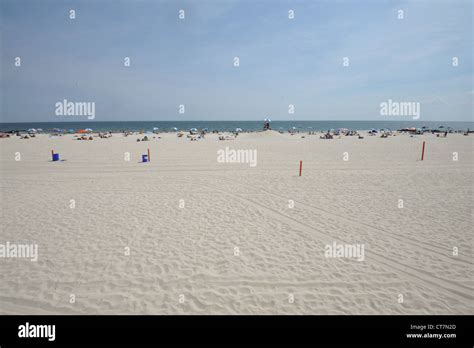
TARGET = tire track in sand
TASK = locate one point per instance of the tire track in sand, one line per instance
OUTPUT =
(433, 248)
(460, 291)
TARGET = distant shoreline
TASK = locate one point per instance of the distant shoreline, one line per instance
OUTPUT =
(260, 121)
(229, 126)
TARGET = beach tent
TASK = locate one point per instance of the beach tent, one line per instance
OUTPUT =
(238, 130)
(32, 130)
(174, 129)
(193, 131)
(156, 129)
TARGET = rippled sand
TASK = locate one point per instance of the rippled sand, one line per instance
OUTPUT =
(213, 238)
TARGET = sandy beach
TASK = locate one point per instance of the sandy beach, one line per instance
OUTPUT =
(186, 234)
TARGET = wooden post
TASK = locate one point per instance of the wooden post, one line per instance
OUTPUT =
(301, 166)
(149, 155)
(423, 151)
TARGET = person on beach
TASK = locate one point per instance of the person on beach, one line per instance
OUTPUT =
(266, 124)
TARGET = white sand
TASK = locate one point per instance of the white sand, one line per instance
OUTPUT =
(190, 251)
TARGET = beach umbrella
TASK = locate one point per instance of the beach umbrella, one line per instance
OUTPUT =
(193, 131)
(174, 129)
(31, 130)
(88, 130)
(71, 131)
(39, 129)
(238, 129)
(81, 131)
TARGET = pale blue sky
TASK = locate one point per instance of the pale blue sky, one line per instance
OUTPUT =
(190, 61)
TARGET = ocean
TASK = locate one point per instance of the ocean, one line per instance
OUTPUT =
(249, 126)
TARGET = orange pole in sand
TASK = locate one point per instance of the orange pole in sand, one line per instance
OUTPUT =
(301, 166)
(423, 151)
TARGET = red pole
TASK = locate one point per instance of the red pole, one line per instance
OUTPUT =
(423, 151)
(149, 155)
(301, 166)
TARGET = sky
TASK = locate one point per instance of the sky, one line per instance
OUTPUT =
(190, 62)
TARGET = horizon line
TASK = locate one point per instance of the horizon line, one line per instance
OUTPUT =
(94, 121)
